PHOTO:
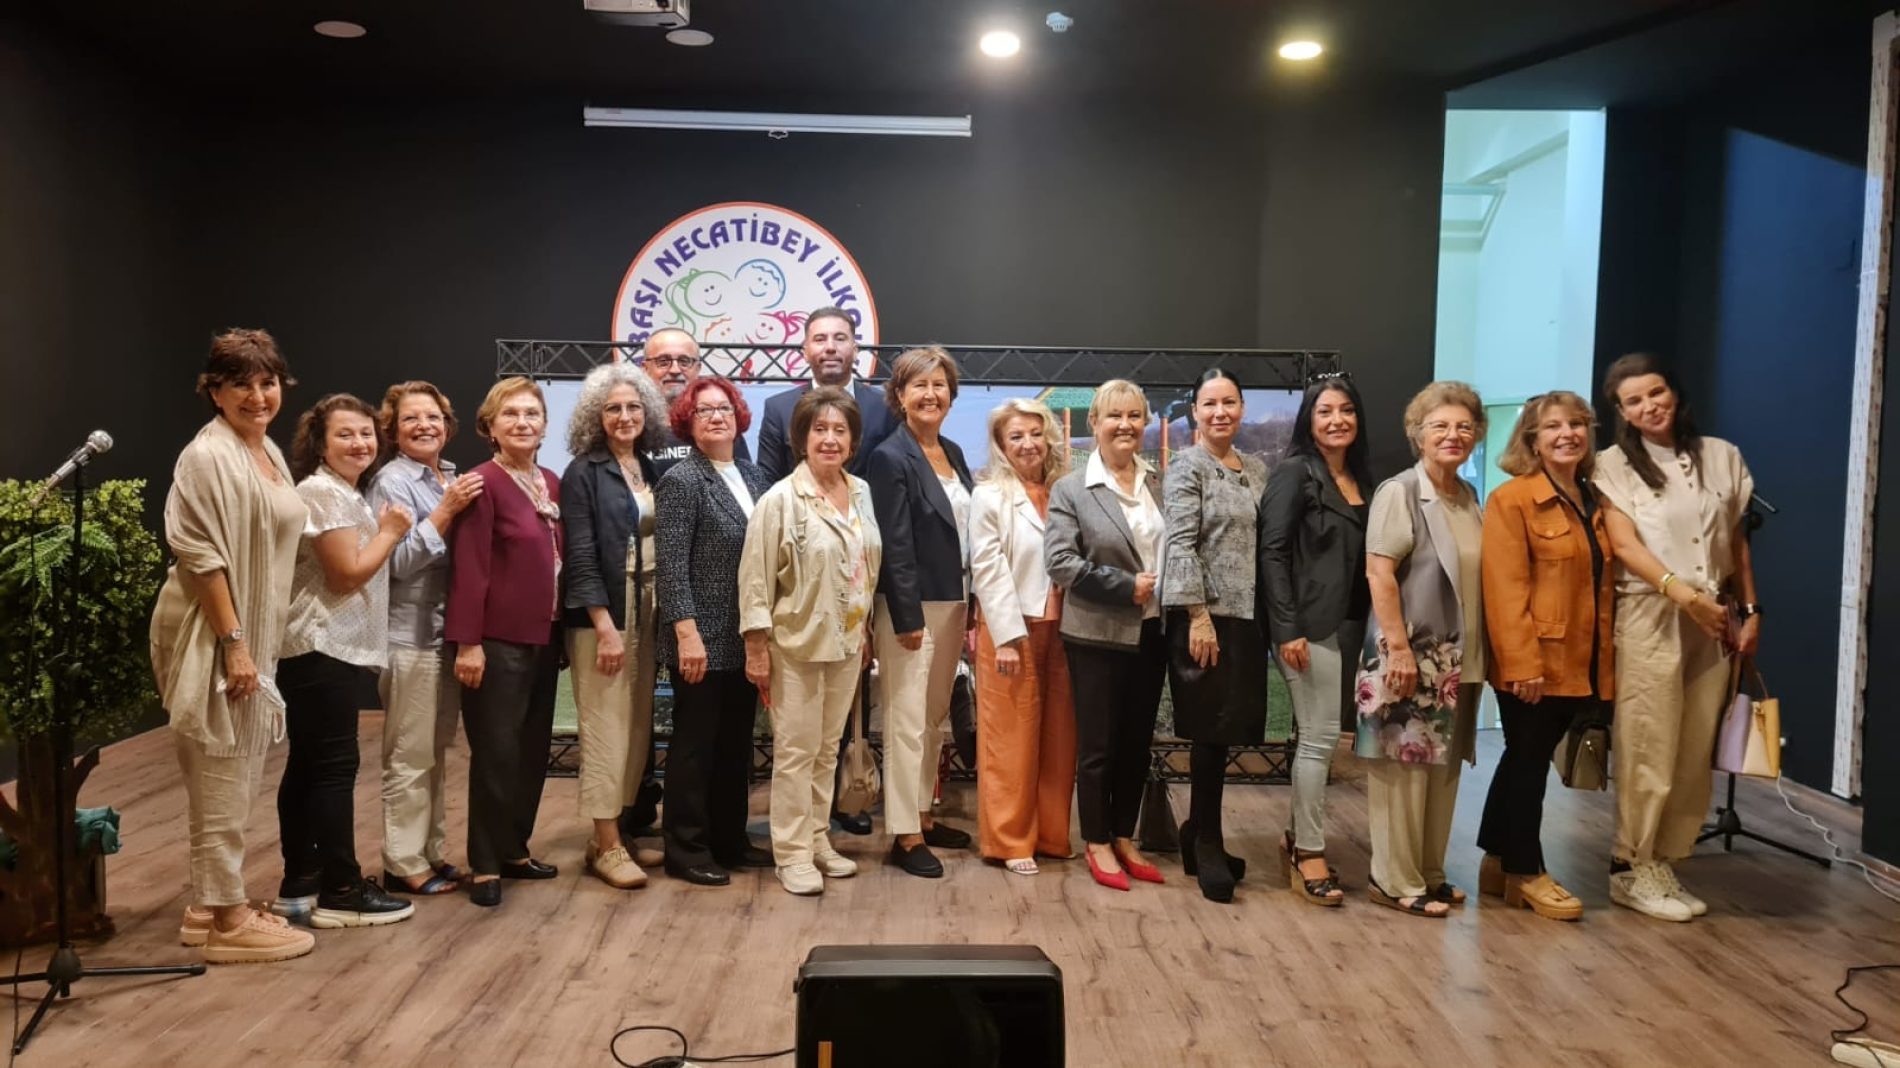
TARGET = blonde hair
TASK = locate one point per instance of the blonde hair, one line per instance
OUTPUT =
(1439, 395)
(491, 405)
(1113, 390)
(1055, 459)
(1520, 456)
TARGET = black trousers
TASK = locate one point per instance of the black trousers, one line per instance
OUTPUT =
(1514, 809)
(316, 814)
(508, 720)
(1117, 694)
(709, 768)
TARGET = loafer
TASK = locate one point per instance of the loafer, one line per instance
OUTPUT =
(486, 894)
(749, 857)
(944, 836)
(699, 874)
(918, 860)
(528, 869)
(859, 824)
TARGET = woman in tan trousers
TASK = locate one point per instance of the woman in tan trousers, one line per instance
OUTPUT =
(1025, 709)
(1674, 503)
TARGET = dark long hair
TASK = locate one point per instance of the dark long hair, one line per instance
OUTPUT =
(1303, 444)
(1688, 439)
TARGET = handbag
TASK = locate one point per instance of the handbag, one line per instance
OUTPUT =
(1749, 742)
(963, 716)
(1583, 756)
(862, 782)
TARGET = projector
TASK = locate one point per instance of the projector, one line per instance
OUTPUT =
(666, 14)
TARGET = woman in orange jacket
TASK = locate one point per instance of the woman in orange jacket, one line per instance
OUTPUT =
(1547, 611)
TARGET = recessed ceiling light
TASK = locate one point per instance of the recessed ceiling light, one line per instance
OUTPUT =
(1000, 44)
(339, 28)
(1300, 50)
(690, 38)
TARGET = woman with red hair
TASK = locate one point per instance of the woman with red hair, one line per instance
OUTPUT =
(702, 505)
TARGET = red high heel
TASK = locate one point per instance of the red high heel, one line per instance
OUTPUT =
(1147, 873)
(1114, 880)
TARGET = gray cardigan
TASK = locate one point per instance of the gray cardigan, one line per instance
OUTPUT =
(1213, 519)
(1090, 553)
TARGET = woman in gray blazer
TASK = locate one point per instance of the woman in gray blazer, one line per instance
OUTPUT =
(702, 505)
(1217, 655)
(1103, 545)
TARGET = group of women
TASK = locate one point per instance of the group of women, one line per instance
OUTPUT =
(369, 560)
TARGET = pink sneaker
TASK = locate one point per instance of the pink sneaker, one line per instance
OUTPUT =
(259, 939)
(195, 928)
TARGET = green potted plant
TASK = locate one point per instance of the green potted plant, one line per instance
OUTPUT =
(91, 662)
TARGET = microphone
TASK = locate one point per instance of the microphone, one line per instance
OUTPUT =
(96, 442)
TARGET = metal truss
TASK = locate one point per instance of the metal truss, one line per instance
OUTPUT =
(990, 365)
(1266, 764)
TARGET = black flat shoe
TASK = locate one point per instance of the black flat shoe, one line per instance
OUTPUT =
(749, 857)
(699, 874)
(859, 824)
(946, 837)
(1190, 863)
(918, 860)
(528, 869)
(486, 894)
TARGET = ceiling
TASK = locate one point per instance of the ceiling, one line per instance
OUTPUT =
(876, 54)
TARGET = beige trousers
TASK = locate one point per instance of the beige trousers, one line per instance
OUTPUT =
(914, 690)
(1671, 683)
(809, 705)
(1408, 816)
(616, 711)
(219, 792)
(422, 702)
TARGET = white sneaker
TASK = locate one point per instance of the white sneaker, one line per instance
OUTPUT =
(801, 879)
(1642, 889)
(834, 864)
(1697, 906)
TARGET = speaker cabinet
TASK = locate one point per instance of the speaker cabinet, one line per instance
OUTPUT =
(929, 1007)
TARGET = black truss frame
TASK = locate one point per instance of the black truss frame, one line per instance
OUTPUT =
(983, 365)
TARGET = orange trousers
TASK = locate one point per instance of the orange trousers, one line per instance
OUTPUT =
(1025, 747)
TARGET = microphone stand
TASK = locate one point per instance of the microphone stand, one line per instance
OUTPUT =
(1728, 822)
(65, 967)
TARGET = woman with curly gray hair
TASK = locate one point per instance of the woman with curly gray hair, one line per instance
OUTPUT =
(607, 508)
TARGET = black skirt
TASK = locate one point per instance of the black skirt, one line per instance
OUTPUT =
(1226, 703)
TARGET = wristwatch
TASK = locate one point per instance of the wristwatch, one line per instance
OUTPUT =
(236, 636)
(1749, 610)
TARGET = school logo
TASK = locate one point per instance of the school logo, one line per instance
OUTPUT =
(741, 273)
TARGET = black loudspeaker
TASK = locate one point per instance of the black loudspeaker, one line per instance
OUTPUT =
(929, 1007)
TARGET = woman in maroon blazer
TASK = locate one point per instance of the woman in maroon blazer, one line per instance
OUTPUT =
(503, 611)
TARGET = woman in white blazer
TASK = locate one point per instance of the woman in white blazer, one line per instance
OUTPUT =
(1025, 736)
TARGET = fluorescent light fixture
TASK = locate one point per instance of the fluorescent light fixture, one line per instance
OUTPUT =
(1000, 44)
(1300, 50)
(779, 122)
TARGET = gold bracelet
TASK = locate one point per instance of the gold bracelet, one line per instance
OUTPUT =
(1663, 586)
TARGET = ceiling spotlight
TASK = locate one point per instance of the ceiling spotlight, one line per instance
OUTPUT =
(1000, 44)
(690, 38)
(339, 28)
(1300, 50)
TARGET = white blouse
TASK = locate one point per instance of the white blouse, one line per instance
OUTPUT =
(352, 627)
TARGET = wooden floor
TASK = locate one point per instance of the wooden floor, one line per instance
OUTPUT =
(1153, 977)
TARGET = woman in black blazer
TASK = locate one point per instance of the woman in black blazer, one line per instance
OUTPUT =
(608, 512)
(703, 504)
(1313, 572)
(920, 488)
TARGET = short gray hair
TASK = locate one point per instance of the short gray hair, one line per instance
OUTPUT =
(584, 430)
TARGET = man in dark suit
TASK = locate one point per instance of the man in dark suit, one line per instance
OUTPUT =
(671, 359)
(831, 351)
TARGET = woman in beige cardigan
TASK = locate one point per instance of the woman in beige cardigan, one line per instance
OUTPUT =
(232, 519)
(806, 581)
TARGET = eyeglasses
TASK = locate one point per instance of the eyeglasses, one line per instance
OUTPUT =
(711, 411)
(1439, 429)
(684, 363)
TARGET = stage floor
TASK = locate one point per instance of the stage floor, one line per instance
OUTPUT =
(1156, 976)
